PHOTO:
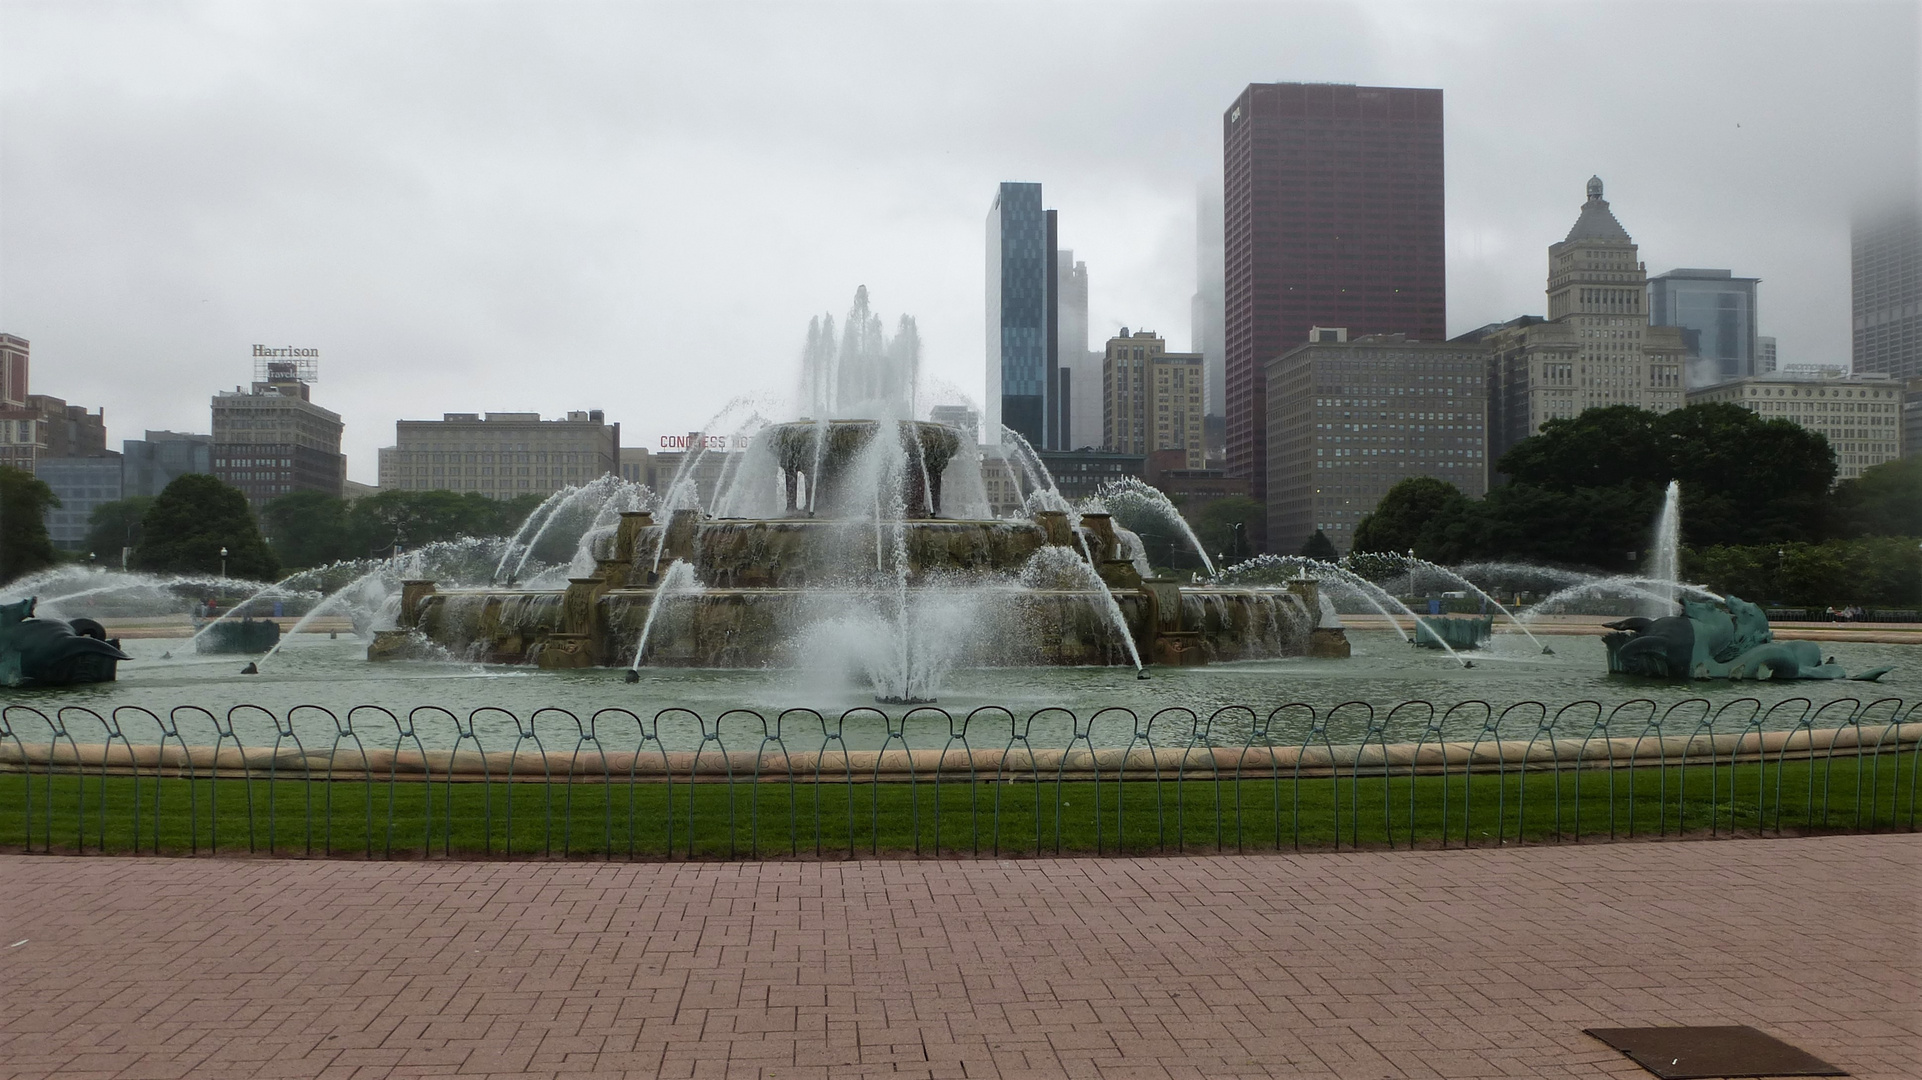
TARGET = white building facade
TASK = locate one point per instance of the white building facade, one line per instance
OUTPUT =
(1861, 416)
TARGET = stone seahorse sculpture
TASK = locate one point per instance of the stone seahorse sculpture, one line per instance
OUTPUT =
(1726, 640)
(50, 652)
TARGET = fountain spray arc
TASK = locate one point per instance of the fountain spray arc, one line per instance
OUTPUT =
(858, 537)
(1666, 564)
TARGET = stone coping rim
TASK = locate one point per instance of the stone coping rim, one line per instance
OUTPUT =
(905, 765)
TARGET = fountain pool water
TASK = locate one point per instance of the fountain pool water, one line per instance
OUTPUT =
(1383, 672)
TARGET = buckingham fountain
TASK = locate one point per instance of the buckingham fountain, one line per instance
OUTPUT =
(860, 537)
(856, 549)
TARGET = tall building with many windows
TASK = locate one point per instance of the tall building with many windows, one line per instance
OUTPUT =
(63, 445)
(1886, 292)
(1151, 398)
(1596, 346)
(150, 463)
(1332, 215)
(1350, 417)
(1912, 417)
(82, 483)
(1023, 321)
(502, 455)
(271, 439)
(15, 353)
(1715, 310)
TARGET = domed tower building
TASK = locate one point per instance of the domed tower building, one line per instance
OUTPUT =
(1595, 348)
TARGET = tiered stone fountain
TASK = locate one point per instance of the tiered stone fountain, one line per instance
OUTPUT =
(862, 542)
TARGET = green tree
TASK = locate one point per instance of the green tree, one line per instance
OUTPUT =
(1398, 520)
(1320, 547)
(115, 525)
(1214, 525)
(309, 528)
(24, 502)
(1884, 571)
(409, 519)
(1605, 447)
(1744, 479)
(1603, 527)
(192, 520)
(1886, 500)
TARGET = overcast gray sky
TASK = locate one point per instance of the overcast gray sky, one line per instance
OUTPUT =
(636, 207)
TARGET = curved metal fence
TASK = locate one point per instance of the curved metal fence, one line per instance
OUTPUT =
(615, 783)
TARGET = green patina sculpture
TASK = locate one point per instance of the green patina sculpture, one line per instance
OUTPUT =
(49, 652)
(1727, 640)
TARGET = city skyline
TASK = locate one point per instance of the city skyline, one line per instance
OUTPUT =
(175, 199)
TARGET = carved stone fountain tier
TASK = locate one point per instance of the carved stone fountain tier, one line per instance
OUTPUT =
(771, 578)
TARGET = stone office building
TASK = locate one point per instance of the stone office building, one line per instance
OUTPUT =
(500, 455)
(1861, 416)
(1151, 399)
(271, 439)
(1596, 347)
(1350, 418)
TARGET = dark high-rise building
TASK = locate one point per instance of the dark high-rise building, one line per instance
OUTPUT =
(1029, 384)
(1019, 256)
(1332, 216)
(1886, 265)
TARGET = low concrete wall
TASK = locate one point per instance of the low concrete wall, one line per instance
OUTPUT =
(954, 764)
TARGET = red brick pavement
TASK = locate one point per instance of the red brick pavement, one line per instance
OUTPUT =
(1435, 964)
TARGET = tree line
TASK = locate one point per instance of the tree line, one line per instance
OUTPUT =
(1761, 513)
(184, 528)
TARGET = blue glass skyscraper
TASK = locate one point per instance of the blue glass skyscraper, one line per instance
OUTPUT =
(1019, 290)
(1716, 311)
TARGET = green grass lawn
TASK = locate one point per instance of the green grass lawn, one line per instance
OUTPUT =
(1196, 813)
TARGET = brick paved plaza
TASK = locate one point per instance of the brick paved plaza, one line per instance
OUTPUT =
(1390, 964)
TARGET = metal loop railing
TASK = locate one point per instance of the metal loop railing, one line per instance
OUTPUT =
(614, 783)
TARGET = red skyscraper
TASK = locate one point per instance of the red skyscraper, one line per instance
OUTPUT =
(1333, 217)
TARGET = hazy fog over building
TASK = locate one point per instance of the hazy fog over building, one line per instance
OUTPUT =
(1083, 364)
(1206, 330)
(1886, 291)
(640, 203)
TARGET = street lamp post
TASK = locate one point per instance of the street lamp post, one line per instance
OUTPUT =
(223, 562)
